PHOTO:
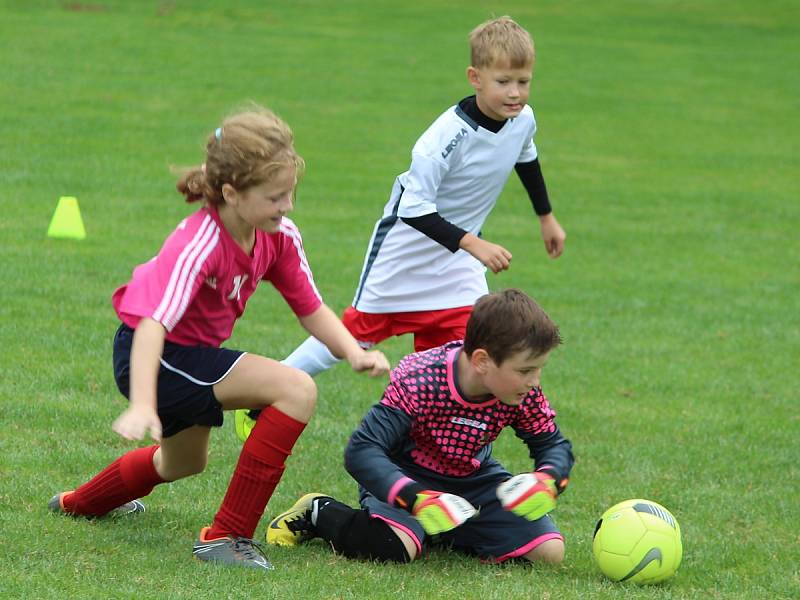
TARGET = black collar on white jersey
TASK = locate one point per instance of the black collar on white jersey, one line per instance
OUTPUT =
(470, 107)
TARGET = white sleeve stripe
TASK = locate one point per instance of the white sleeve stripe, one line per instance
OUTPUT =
(294, 234)
(196, 266)
(180, 298)
(177, 271)
(165, 300)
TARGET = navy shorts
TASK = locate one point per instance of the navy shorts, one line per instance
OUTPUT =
(185, 381)
(494, 534)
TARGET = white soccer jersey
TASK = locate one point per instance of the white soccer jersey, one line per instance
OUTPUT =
(458, 169)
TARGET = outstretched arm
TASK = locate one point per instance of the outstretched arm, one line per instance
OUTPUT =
(367, 459)
(551, 453)
(324, 325)
(533, 495)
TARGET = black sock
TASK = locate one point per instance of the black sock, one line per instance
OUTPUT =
(354, 534)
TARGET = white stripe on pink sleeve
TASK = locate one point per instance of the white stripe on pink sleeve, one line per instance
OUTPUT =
(169, 317)
(197, 265)
(292, 232)
(168, 297)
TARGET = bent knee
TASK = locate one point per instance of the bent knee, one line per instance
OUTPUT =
(297, 396)
(549, 551)
(306, 388)
(303, 390)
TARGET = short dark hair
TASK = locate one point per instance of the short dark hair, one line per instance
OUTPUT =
(504, 323)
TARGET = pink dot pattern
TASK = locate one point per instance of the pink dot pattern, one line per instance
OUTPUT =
(447, 431)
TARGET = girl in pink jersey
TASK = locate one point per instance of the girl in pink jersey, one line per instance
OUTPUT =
(181, 305)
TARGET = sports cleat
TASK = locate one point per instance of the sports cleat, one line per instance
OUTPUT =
(295, 525)
(244, 419)
(56, 504)
(239, 551)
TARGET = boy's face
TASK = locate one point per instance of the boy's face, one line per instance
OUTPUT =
(500, 90)
(514, 378)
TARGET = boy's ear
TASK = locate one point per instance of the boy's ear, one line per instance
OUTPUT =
(480, 360)
(474, 78)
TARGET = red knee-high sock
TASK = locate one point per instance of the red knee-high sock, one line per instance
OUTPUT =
(131, 476)
(258, 471)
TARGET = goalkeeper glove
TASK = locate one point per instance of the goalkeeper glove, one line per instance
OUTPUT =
(530, 495)
(438, 512)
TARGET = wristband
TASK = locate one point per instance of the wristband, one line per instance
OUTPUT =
(561, 482)
(407, 495)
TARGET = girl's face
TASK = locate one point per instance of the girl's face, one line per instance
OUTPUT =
(263, 206)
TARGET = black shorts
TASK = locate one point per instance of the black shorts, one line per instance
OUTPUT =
(186, 378)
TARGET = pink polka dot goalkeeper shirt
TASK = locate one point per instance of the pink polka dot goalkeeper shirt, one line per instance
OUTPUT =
(425, 425)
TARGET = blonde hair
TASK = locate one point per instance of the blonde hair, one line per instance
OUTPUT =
(501, 40)
(249, 149)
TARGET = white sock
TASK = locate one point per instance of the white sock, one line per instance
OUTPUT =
(312, 356)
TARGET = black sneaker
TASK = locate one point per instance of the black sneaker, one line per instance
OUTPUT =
(240, 552)
(296, 525)
(56, 505)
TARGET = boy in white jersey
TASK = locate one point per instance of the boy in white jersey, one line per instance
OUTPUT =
(176, 311)
(426, 262)
(423, 456)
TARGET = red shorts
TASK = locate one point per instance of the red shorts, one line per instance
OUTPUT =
(431, 328)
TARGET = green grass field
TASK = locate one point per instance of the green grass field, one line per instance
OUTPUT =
(668, 133)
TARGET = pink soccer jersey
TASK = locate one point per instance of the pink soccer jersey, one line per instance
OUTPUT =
(198, 284)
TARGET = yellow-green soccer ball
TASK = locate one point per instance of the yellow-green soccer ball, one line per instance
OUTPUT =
(637, 540)
(242, 423)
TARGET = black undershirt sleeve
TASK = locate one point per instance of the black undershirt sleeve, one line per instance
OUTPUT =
(530, 173)
(438, 229)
